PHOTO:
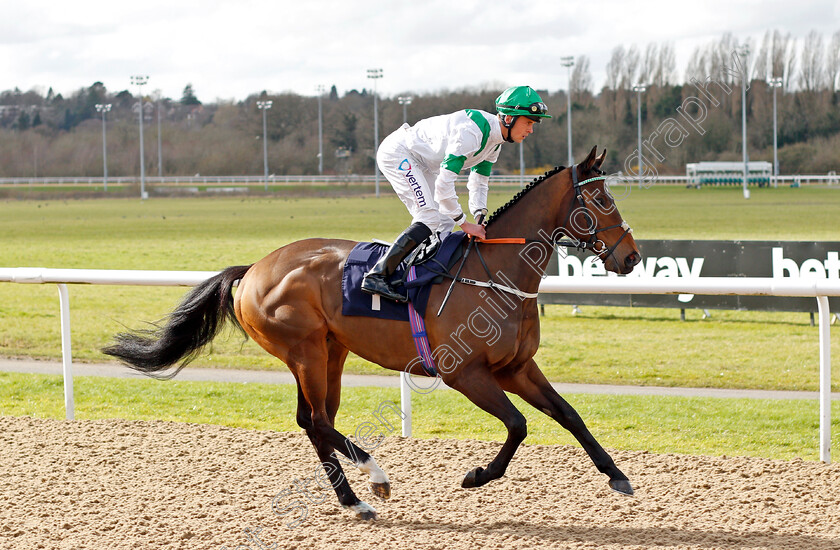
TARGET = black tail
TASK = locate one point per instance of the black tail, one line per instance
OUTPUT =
(193, 324)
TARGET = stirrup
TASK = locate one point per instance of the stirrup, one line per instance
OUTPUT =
(376, 284)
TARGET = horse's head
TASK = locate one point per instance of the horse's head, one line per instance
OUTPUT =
(593, 219)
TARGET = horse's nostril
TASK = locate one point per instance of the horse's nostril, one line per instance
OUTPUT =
(632, 259)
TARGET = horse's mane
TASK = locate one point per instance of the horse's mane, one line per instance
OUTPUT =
(516, 198)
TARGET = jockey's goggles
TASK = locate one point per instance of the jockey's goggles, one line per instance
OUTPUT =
(538, 108)
(535, 111)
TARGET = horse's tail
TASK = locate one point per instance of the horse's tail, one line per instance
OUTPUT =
(193, 324)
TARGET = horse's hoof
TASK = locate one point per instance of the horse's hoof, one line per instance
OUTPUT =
(381, 490)
(470, 480)
(363, 510)
(368, 515)
(621, 486)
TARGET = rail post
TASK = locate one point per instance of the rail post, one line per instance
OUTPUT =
(66, 351)
(825, 379)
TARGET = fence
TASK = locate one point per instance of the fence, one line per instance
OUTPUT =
(346, 180)
(752, 286)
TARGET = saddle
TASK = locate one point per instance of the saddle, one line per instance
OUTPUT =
(430, 261)
(424, 252)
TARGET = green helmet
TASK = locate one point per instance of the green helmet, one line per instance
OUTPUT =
(522, 101)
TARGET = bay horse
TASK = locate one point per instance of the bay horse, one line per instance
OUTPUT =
(290, 303)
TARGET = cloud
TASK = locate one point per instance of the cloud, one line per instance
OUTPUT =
(232, 49)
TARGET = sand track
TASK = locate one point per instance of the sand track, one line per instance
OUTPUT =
(120, 484)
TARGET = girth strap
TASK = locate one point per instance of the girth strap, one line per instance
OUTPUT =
(418, 332)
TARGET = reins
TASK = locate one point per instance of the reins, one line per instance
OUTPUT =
(591, 244)
(490, 283)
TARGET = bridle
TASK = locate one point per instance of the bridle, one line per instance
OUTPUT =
(592, 244)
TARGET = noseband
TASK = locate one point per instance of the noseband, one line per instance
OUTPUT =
(601, 251)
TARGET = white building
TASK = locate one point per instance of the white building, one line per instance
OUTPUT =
(728, 173)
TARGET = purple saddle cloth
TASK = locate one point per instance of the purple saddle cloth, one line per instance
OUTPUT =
(365, 255)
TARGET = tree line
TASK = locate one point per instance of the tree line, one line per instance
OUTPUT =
(46, 134)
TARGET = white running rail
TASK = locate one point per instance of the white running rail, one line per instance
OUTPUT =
(763, 286)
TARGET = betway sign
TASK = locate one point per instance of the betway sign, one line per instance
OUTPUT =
(779, 259)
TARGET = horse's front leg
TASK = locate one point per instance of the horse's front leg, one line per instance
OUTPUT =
(479, 386)
(530, 384)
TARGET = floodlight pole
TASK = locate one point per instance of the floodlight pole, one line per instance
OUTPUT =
(159, 139)
(405, 101)
(320, 89)
(775, 83)
(568, 61)
(744, 51)
(264, 106)
(140, 81)
(375, 74)
(639, 88)
(104, 108)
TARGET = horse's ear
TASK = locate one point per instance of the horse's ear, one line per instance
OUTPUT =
(600, 159)
(590, 160)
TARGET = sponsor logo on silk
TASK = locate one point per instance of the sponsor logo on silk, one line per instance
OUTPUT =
(405, 166)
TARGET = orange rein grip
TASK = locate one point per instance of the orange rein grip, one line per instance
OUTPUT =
(509, 240)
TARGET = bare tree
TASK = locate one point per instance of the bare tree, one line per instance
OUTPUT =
(630, 67)
(778, 50)
(647, 63)
(721, 61)
(614, 67)
(581, 76)
(784, 58)
(761, 61)
(811, 72)
(666, 67)
(696, 68)
(832, 62)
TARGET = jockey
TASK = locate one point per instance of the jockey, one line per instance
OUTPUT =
(423, 161)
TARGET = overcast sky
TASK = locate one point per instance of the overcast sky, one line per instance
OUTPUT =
(229, 50)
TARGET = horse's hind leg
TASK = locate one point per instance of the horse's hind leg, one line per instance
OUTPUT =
(531, 385)
(326, 454)
(309, 363)
(380, 485)
(480, 388)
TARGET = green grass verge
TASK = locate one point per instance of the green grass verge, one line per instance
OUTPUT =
(603, 345)
(782, 429)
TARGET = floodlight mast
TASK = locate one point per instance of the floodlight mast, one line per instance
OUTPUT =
(569, 61)
(140, 81)
(639, 89)
(744, 51)
(265, 106)
(405, 101)
(775, 83)
(320, 89)
(104, 108)
(158, 96)
(375, 74)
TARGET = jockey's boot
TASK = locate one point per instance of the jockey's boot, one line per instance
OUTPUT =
(376, 281)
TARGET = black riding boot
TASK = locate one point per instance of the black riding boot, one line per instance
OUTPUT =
(376, 280)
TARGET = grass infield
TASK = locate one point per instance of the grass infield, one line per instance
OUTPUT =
(733, 349)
